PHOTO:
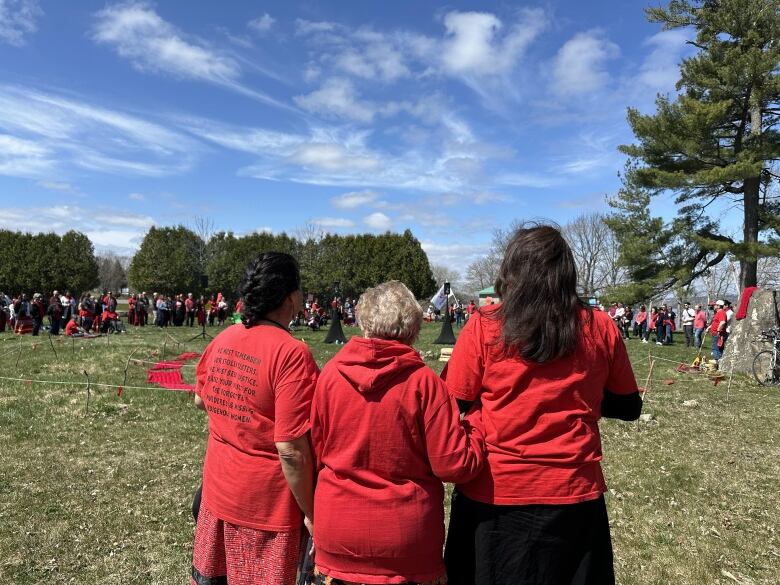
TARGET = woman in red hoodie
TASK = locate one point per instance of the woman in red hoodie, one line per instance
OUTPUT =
(545, 368)
(386, 434)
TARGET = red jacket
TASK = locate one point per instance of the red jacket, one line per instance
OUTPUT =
(386, 434)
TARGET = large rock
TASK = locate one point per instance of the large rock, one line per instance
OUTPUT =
(744, 342)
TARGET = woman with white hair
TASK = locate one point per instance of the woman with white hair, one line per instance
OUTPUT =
(386, 434)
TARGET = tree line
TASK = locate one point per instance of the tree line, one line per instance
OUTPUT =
(174, 260)
(46, 262)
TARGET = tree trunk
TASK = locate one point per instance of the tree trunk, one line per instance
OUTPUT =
(748, 266)
(748, 272)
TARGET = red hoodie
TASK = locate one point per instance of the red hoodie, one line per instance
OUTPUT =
(386, 434)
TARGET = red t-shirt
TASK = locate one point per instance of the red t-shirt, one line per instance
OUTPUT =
(386, 434)
(700, 321)
(257, 385)
(720, 317)
(541, 420)
(71, 328)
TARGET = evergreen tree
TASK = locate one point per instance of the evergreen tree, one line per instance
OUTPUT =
(715, 144)
(76, 264)
(168, 261)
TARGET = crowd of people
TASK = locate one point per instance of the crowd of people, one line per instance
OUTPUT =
(354, 456)
(60, 312)
(661, 322)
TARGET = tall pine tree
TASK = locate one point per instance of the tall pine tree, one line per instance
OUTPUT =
(715, 146)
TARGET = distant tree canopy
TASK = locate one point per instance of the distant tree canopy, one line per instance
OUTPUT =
(172, 260)
(168, 262)
(715, 146)
(46, 262)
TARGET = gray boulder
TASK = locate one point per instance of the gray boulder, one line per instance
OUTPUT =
(743, 344)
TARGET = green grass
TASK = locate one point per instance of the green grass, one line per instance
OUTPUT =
(104, 496)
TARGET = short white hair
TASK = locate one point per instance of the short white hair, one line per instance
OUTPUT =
(390, 311)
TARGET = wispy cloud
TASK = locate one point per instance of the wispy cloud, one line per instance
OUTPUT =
(354, 199)
(136, 197)
(109, 228)
(23, 158)
(46, 130)
(337, 97)
(333, 222)
(152, 44)
(660, 69)
(262, 24)
(18, 18)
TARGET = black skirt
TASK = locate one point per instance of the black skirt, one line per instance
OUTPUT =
(534, 544)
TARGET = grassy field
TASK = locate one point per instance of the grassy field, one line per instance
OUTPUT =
(104, 496)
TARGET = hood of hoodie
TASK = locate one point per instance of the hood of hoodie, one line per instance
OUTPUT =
(373, 365)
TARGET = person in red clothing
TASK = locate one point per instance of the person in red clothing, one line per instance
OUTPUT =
(72, 328)
(386, 434)
(545, 368)
(255, 381)
(699, 325)
(718, 330)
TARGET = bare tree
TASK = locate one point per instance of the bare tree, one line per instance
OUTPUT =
(112, 271)
(769, 272)
(596, 253)
(204, 227)
(442, 274)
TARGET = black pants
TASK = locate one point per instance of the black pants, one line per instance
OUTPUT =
(528, 545)
(689, 341)
(36, 326)
(191, 318)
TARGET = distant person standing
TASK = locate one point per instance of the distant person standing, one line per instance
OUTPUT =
(718, 330)
(54, 311)
(189, 307)
(688, 317)
(699, 325)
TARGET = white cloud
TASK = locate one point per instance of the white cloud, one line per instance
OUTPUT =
(23, 158)
(660, 70)
(262, 24)
(456, 256)
(333, 222)
(580, 65)
(152, 44)
(18, 19)
(378, 221)
(337, 97)
(533, 180)
(57, 186)
(136, 197)
(473, 45)
(116, 229)
(332, 157)
(354, 199)
(306, 27)
(75, 133)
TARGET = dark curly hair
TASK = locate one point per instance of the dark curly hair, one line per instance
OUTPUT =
(268, 280)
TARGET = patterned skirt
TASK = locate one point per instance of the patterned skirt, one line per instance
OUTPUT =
(226, 553)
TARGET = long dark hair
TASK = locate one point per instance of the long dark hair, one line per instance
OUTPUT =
(268, 280)
(537, 284)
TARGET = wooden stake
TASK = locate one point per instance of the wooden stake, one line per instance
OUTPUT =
(86, 410)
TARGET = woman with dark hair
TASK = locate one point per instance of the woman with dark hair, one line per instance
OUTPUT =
(545, 368)
(256, 382)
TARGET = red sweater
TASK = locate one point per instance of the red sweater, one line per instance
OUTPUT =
(386, 434)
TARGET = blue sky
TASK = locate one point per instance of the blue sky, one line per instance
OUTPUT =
(450, 119)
